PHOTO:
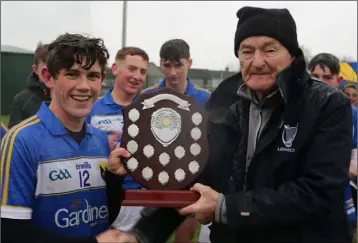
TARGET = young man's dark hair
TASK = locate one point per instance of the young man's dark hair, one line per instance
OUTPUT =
(27, 102)
(173, 50)
(325, 59)
(325, 66)
(70, 48)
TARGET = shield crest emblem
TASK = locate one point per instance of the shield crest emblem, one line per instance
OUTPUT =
(165, 132)
(166, 125)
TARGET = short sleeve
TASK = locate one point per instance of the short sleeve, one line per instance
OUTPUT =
(18, 176)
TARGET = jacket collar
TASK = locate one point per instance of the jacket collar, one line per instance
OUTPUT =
(34, 83)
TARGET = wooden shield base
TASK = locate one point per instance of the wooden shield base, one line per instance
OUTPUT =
(159, 198)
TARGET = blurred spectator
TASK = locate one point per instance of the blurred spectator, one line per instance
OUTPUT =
(27, 102)
(351, 91)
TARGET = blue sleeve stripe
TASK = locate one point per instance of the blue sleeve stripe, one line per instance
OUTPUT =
(7, 146)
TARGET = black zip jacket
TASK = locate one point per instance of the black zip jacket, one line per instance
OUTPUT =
(27, 102)
(288, 193)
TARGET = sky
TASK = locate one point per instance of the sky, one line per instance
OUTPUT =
(209, 27)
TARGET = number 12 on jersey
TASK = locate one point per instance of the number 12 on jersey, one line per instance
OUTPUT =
(84, 177)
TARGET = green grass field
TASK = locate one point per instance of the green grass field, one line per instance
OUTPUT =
(4, 119)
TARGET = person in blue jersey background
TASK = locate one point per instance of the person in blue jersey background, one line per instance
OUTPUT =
(3, 130)
(175, 62)
(52, 185)
(325, 67)
(130, 71)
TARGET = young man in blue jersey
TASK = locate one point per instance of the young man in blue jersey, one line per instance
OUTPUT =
(130, 71)
(52, 185)
(175, 62)
(325, 66)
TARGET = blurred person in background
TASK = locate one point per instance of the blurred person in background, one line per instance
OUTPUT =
(27, 102)
(351, 91)
(325, 67)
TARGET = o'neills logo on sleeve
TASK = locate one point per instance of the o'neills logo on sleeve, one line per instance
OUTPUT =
(288, 136)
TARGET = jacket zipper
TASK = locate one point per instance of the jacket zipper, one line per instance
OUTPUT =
(256, 139)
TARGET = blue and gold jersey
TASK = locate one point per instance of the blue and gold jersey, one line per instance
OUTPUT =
(200, 95)
(106, 114)
(50, 179)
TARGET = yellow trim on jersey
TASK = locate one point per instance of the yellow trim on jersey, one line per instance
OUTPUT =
(200, 88)
(19, 207)
(71, 192)
(11, 134)
(150, 88)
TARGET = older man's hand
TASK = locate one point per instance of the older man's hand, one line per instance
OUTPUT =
(204, 209)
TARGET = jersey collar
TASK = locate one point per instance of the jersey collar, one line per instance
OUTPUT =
(190, 89)
(108, 99)
(52, 123)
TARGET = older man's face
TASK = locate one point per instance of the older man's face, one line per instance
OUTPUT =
(261, 59)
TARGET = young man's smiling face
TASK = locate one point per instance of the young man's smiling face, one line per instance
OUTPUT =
(130, 73)
(74, 90)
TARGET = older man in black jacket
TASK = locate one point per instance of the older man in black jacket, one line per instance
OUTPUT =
(279, 145)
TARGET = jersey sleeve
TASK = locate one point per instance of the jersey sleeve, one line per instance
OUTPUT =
(18, 177)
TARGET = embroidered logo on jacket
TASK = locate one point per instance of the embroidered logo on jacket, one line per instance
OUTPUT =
(288, 136)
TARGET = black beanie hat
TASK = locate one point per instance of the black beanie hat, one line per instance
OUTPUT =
(275, 23)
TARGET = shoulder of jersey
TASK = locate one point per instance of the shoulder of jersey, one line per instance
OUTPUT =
(151, 88)
(197, 87)
(27, 129)
(99, 98)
